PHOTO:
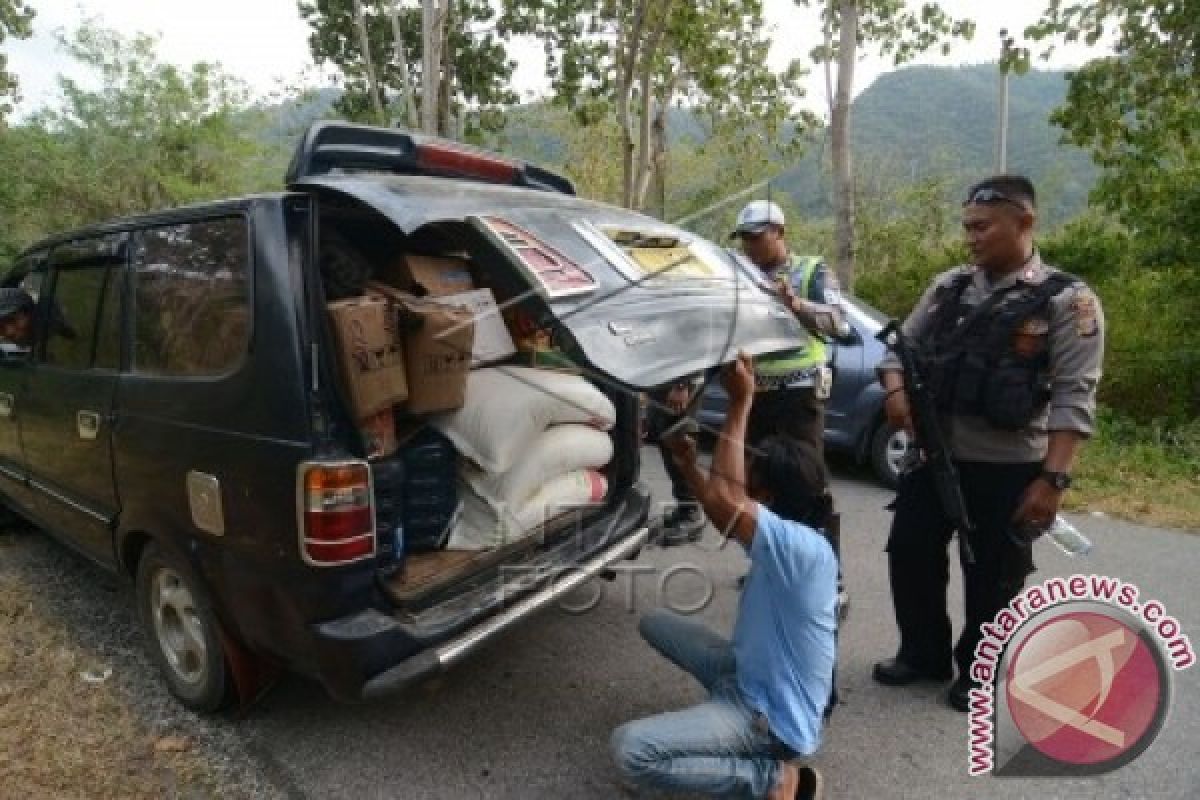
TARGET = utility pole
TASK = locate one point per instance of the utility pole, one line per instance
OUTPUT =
(1006, 43)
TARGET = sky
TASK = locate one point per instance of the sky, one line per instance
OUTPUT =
(265, 42)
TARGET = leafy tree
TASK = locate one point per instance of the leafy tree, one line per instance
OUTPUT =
(380, 52)
(893, 29)
(632, 60)
(15, 20)
(152, 135)
(1138, 112)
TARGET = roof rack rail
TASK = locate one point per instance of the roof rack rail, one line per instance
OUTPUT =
(339, 146)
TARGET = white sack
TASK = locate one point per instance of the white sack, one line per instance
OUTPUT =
(483, 526)
(507, 407)
(561, 449)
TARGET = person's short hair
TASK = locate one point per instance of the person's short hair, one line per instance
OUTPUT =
(795, 475)
(15, 301)
(1016, 189)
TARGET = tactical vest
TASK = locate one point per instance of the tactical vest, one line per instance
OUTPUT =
(992, 360)
(815, 353)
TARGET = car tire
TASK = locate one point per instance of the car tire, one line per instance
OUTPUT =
(888, 447)
(181, 631)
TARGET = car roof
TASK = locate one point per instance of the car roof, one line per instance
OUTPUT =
(149, 218)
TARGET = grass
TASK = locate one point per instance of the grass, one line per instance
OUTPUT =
(62, 736)
(1148, 473)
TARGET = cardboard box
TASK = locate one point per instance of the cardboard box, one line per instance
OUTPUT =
(370, 354)
(428, 276)
(492, 340)
(379, 431)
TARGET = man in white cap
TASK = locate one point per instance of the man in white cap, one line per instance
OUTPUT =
(792, 386)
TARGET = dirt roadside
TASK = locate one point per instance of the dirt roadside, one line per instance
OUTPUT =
(82, 711)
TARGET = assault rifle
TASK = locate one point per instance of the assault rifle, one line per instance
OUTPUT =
(929, 437)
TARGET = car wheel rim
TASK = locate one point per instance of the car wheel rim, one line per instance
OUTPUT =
(898, 445)
(177, 624)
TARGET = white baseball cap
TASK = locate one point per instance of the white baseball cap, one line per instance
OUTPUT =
(756, 216)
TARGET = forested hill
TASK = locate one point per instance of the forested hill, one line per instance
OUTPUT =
(914, 123)
(946, 117)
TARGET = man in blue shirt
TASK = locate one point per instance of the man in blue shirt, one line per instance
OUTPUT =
(768, 687)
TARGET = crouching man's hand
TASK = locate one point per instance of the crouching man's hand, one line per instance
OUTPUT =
(682, 447)
(738, 380)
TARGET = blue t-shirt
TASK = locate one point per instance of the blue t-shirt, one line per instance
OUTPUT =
(783, 640)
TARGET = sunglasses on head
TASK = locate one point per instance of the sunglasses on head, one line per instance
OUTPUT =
(990, 196)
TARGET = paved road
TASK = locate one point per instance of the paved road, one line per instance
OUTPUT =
(530, 716)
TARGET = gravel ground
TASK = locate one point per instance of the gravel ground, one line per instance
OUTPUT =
(95, 612)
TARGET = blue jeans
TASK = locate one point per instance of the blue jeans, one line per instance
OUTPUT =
(719, 747)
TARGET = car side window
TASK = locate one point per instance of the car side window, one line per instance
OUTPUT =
(192, 298)
(70, 322)
(75, 318)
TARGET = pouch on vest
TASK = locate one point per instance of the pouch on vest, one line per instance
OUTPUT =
(1013, 395)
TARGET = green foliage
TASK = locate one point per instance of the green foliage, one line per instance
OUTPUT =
(479, 60)
(15, 20)
(152, 136)
(633, 61)
(1137, 112)
(892, 28)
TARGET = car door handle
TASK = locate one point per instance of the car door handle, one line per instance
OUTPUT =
(8, 404)
(88, 424)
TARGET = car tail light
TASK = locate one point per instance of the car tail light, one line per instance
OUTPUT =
(337, 516)
(447, 159)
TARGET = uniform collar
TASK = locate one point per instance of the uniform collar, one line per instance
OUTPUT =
(1032, 273)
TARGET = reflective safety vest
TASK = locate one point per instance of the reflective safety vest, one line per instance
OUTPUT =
(803, 361)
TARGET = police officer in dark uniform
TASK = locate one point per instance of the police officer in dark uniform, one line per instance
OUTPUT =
(1014, 350)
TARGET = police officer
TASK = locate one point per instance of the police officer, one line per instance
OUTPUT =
(793, 386)
(1013, 348)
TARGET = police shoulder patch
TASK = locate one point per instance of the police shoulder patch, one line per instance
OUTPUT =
(1085, 313)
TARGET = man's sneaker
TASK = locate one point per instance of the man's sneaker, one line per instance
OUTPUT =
(684, 524)
(812, 785)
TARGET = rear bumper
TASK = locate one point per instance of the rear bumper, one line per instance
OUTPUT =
(373, 653)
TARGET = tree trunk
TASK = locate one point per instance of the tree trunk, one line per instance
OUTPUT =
(645, 161)
(411, 118)
(429, 66)
(843, 184)
(364, 44)
(659, 138)
(647, 156)
(628, 44)
(446, 85)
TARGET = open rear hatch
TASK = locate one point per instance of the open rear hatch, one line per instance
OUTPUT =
(639, 302)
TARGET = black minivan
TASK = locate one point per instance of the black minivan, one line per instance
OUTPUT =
(180, 419)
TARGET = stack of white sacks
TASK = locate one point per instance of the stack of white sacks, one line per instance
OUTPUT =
(534, 442)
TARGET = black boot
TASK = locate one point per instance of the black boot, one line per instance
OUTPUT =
(684, 524)
(895, 672)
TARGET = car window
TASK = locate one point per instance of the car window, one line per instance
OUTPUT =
(191, 297)
(70, 320)
(108, 326)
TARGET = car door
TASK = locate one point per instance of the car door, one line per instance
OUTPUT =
(15, 359)
(67, 410)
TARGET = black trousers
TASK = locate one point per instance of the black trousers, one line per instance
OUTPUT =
(919, 565)
(658, 419)
(788, 412)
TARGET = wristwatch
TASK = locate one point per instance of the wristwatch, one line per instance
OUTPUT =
(1059, 480)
